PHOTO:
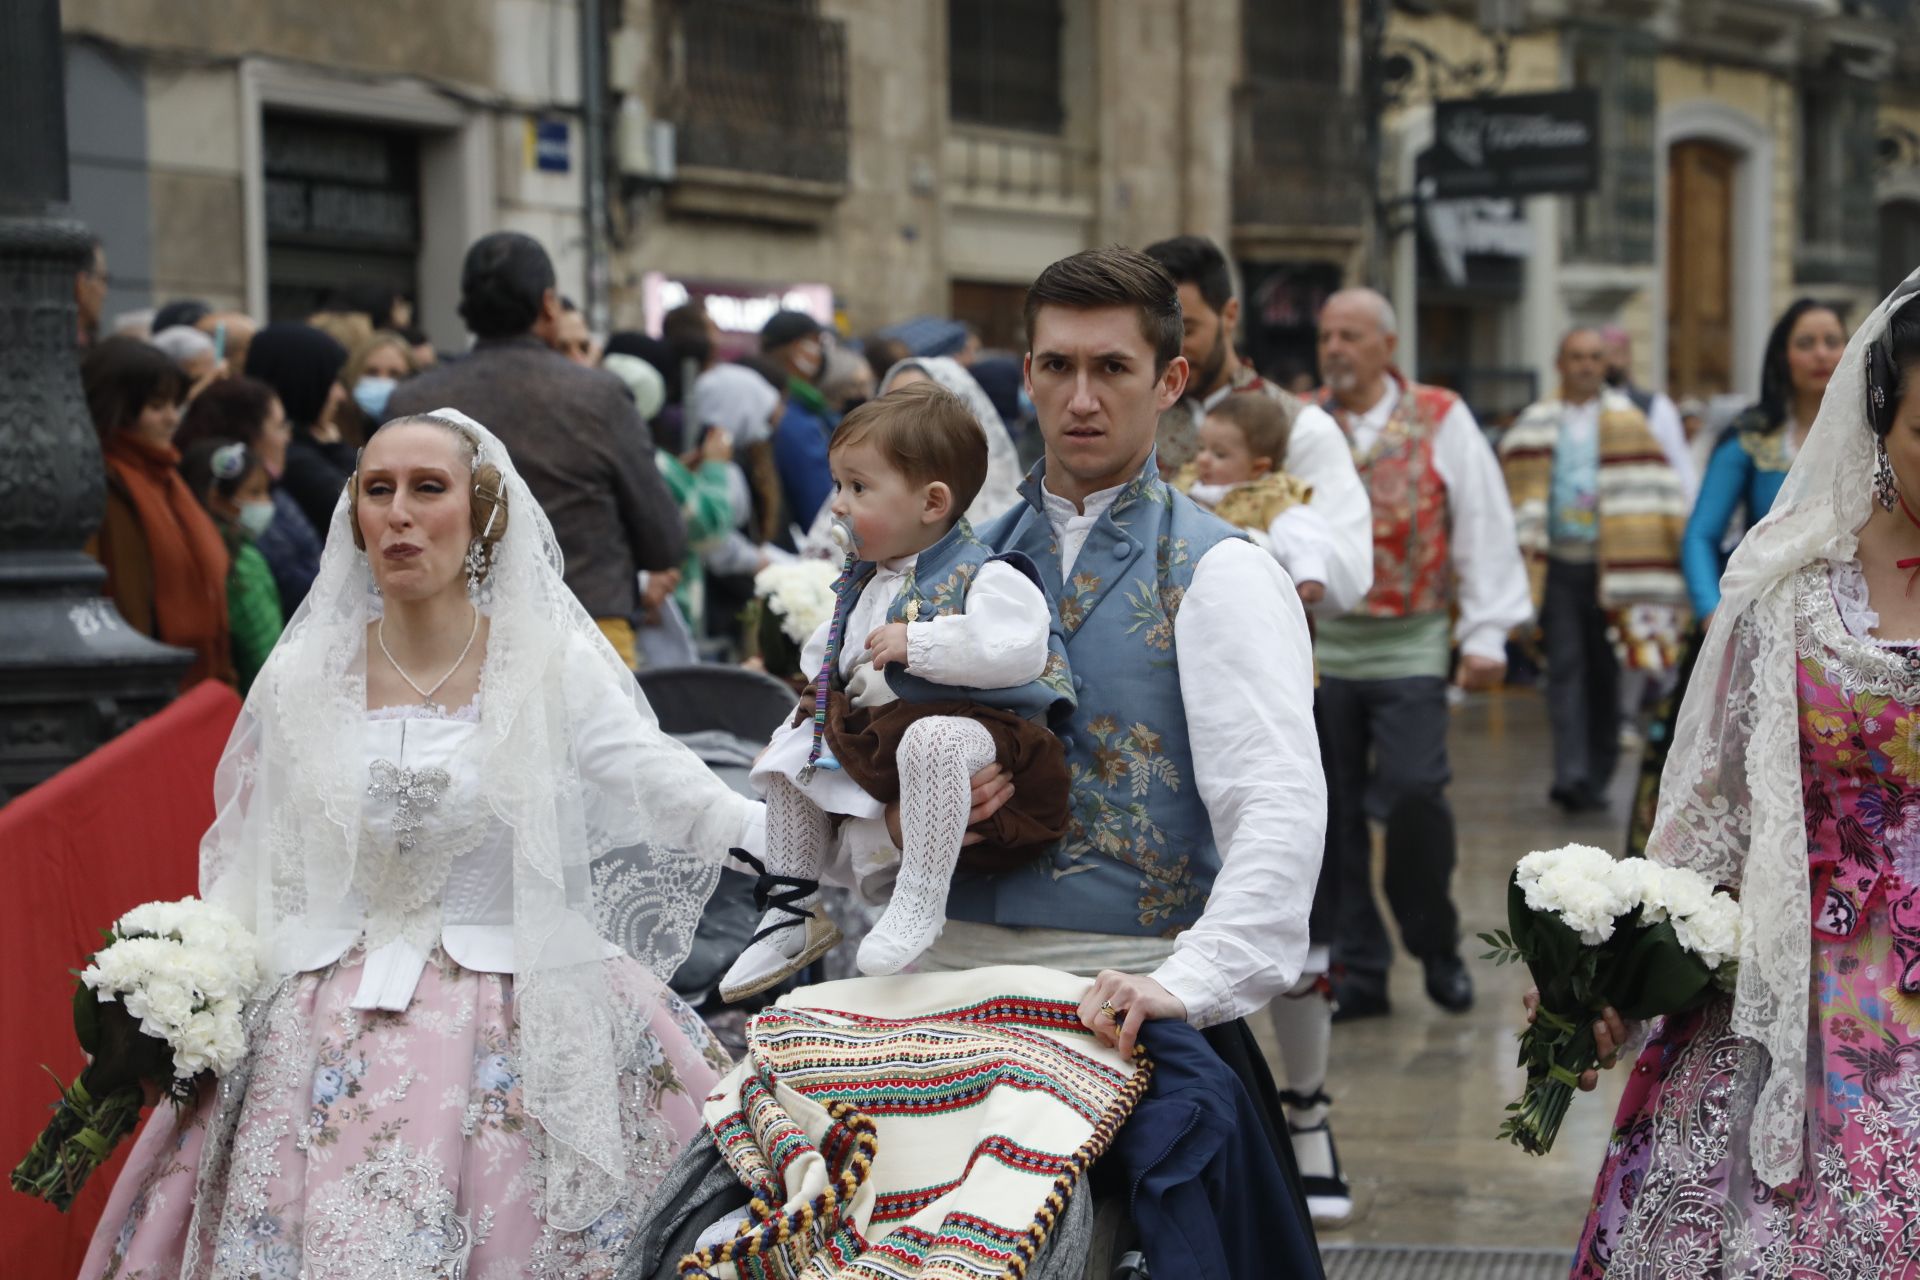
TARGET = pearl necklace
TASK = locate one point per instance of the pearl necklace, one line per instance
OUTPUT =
(426, 695)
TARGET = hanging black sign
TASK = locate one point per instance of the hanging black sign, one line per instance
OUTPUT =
(1519, 145)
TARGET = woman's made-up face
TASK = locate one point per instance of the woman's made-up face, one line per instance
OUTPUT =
(415, 510)
(1814, 349)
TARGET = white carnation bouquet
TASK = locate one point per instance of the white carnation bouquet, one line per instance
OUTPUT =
(159, 1005)
(1647, 940)
(791, 600)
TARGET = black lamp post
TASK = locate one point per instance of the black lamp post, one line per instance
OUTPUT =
(72, 674)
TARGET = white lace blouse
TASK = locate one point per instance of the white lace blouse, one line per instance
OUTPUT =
(436, 866)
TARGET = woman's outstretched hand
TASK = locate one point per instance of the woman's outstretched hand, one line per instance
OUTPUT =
(992, 788)
(1609, 1035)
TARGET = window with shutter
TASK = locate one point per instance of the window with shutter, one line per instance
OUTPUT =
(1615, 224)
(1839, 118)
(1003, 64)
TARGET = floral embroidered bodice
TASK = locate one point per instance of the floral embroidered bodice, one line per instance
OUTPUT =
(1860, 764)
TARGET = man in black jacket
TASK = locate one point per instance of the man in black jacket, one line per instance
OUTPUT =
(573, 432)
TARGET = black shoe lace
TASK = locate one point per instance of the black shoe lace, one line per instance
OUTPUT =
(777, 893)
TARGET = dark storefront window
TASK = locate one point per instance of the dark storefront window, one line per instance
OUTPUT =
(342, 212)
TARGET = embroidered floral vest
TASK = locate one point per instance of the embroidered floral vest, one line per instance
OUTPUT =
(936, 587)
(1412, 527)
(1139, 858)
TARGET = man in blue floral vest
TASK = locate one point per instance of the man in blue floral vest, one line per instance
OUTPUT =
(1198, 802)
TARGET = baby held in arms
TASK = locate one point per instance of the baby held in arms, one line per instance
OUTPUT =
(941, 658)
(1238, 476)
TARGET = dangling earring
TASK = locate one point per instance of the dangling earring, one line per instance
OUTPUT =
(476, 571)
(1886, 489)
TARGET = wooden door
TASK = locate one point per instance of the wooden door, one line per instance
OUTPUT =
(1700, 269)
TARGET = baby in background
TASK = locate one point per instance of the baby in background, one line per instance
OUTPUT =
(1237, 475)
(940, 659)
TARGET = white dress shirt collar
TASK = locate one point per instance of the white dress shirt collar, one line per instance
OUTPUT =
(1072, 524)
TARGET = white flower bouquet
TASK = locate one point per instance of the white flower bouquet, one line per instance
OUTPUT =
(1648, 940)
(790, 602)
(160, 1004)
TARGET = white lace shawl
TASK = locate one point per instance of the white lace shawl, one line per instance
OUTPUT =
(1730, 798)
(562, 728)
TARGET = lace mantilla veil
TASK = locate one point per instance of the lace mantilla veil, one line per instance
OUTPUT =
(288, 846)
(1731, 806)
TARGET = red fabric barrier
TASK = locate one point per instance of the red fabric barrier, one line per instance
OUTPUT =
(102, 836)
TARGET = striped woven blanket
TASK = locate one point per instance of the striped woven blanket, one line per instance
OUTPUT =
(928, 1126)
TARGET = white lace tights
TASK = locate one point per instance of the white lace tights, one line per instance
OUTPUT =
(938, 757)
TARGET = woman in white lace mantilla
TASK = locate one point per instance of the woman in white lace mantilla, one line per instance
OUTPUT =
(472, 859)
(1777, 1133)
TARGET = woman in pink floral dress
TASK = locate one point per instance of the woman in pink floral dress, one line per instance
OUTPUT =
(443, 804)
(1777, 1133)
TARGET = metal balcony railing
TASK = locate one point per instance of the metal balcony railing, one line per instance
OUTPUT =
(1297, 156)
(757, 88)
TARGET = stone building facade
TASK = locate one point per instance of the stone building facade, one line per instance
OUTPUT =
(262, 153)
(874, 160)
(1753, 151)
(931, 157)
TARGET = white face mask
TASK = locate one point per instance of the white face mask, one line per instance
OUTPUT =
(254, 517)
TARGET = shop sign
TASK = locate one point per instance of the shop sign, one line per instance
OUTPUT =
(1518, 145)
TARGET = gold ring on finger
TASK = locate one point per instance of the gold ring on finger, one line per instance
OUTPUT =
(1113, 1015)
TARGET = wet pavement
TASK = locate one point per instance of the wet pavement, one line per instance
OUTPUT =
(1420, 1093)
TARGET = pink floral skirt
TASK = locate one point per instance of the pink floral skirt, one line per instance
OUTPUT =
(359, 1144)
(1677, 1198)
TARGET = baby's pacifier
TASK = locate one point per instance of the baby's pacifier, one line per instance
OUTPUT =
(841, 531)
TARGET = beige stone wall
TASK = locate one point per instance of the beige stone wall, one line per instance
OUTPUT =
(880, 245)
(194, 183)
(1148, 164)
(450, 40)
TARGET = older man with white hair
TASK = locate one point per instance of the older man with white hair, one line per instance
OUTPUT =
(1443, 543)
(193, 353)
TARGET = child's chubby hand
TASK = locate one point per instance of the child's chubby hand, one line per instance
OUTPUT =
(888, 645)
(1312, 592)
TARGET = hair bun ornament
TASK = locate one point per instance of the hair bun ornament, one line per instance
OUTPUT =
(229, 461)
(1882, 379)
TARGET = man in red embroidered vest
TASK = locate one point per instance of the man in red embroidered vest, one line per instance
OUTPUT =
(1443, 539)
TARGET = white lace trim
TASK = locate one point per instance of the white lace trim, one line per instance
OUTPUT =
(1835, 622)
(469, 714)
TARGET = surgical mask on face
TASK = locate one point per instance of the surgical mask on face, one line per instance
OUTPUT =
(372, 394)
(254, 517)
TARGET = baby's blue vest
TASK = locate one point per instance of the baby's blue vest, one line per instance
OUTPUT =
(1139, 858)
(936, 587)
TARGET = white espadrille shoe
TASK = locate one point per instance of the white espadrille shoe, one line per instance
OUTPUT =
(784, 945)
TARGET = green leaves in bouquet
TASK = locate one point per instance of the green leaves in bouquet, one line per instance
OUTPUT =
(765, 639)
(1655, 976)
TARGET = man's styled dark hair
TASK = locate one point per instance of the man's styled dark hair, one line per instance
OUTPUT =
(1115, 276)
(1197, 261)
(502, 283)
